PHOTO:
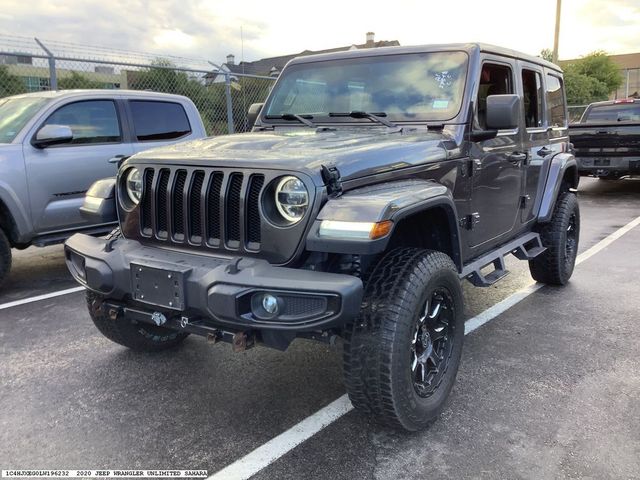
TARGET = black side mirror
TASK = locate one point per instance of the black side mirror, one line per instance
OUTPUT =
(503, 112)
(52, 135)
(252, 115)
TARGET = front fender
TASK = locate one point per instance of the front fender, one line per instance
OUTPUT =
(562, 164)
(377, 203)
(15, 214)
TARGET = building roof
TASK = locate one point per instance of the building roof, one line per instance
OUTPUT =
(274, 65)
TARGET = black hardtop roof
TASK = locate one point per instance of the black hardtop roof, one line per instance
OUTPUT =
(470, 48)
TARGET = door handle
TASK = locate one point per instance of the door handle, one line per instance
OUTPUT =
(118, 159)
(544, 151)
(517, 157)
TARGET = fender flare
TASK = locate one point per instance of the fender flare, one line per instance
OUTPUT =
(560, 164)
(14, 216)
(393, 201)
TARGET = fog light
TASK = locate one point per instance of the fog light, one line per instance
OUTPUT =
(270, 304)
(266, 306)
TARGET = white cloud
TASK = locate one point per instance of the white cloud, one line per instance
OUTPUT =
(211, 29)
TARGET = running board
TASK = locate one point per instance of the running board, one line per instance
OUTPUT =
(525, 247)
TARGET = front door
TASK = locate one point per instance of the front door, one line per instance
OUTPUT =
(497, 166)
(59, 176)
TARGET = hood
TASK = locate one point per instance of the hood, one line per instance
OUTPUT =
(356, 152)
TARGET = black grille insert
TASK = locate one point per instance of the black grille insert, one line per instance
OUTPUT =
(209, 208)
(233, 210)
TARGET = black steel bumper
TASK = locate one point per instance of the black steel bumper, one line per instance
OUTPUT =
(609, 166)
(227, 292)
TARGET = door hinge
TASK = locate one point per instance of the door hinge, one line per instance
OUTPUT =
(469, 221)
(331, 177)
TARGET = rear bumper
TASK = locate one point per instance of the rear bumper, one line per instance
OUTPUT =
(223, 291)
(608, 166)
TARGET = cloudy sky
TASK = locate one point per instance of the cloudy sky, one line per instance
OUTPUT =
(211, 29)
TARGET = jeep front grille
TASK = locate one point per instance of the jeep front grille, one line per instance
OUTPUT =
(202, 207)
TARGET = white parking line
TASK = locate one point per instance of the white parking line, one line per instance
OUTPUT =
(40, 297)
(277, 447)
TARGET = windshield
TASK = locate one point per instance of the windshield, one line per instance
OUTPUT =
(15, 113)
(404, 87)
(622, 112)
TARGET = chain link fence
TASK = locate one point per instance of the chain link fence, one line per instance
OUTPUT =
(223, 98)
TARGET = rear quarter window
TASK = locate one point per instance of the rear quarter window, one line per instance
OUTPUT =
(154, 120)
(555, 102)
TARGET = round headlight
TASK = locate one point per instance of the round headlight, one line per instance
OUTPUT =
(133, 183)
(292, 198)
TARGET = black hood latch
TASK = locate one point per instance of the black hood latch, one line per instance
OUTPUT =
(331, 177)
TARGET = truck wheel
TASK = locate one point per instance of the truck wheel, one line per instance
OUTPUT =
(560, 236)
(5, 257)
(402, 354)
(137, 336)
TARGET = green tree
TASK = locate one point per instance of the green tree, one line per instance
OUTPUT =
(78, 81)
(547, 54)
(10, 84)
(591, 78)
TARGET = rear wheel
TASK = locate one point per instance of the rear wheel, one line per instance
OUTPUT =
(560, 236)
(402, 354)
(5, 257)
(137, 336)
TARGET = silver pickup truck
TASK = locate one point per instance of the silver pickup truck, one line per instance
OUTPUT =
(54, 145)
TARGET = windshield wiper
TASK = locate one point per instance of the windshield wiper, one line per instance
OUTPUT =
(376, 117)
(294, 116)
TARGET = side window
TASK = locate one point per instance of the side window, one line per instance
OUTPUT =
(159, 120)
(532, 88)
(92, 121)
(494, 80)
(555, 101)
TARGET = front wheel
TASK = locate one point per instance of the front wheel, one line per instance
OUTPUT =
(402, 354)
(5, 257)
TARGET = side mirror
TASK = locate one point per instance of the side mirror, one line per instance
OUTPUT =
(503, 112)
(52, 135)
(100, 202)
(252, 115)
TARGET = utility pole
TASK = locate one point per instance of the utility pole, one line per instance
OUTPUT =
(557, 33)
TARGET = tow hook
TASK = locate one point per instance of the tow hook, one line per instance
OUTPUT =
(241, 342)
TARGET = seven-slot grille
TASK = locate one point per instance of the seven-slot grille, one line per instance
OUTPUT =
(209, 207)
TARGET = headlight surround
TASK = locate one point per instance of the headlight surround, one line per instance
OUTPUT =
(292, 198)
(133, 185)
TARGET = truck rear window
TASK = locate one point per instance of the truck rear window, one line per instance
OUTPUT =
(153, 120)
(621, 112)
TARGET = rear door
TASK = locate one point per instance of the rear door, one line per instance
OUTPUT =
(59, 176)
(535, 135)
(497, 163)
(156, 123)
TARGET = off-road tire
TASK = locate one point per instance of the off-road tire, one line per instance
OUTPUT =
(555, 266)
(377, 360)
(137, 336)
(5, 257)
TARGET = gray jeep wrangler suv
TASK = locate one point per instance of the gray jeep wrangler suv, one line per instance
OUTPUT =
(373, 182)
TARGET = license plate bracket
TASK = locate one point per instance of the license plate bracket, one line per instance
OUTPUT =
(158, 286)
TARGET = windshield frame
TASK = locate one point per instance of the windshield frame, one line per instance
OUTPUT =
(38, 102)
(346, 120)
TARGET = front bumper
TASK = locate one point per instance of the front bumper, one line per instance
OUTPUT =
(219, 290)
(608, 166)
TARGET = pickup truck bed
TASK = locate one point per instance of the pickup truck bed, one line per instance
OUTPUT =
(607, 139)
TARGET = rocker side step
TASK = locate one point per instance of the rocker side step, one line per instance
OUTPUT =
(525, 247)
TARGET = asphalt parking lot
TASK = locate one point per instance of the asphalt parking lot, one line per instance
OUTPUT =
(550, 388)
